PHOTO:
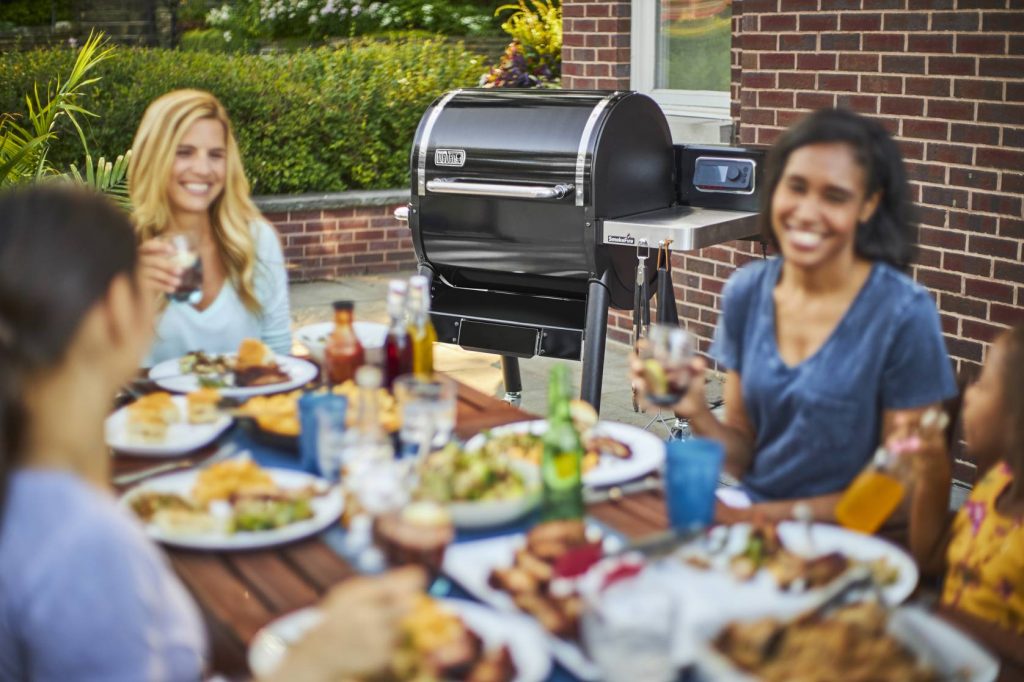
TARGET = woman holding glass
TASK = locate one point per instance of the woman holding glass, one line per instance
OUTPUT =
(827, 346)
(189, 190)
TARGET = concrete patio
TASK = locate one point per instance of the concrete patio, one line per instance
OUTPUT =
(311, 302)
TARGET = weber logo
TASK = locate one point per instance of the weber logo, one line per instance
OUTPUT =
(450, 157)
(620, 239)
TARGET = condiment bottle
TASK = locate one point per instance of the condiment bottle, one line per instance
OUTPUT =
(343, 354)
(421, 329)
(873, 496)
(562, 462)
(398, 343)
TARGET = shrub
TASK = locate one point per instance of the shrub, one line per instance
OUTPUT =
(313, 120)
(534, 57)
(33, 12)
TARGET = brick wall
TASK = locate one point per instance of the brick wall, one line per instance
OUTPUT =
(946, 77)
(595, 46)
(331, 242)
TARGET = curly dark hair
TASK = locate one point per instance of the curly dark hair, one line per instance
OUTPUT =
(889, 235)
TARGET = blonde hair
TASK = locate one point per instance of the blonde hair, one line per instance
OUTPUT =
(164, 124)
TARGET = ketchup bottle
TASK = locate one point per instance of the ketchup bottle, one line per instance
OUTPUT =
(343, 354)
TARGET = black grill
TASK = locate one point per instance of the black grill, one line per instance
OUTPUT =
(516, 195)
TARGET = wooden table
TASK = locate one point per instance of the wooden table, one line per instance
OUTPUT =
(240, 592)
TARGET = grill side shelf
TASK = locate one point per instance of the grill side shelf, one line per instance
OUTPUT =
(690, 228)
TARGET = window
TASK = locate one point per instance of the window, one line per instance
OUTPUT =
(681, 55)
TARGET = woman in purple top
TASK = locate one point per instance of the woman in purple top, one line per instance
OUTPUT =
(825, 346)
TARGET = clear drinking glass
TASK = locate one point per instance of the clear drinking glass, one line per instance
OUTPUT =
(425, 404)
(186, 256)
(666, 356)
(628, 630)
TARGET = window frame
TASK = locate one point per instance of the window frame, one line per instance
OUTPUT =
(705, 104)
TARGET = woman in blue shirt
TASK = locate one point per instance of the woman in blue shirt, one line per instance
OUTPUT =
(825, 346)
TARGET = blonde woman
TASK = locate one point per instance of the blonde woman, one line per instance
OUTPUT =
(186, 177)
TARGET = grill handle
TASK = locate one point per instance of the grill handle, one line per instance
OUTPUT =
(402, 214)
(503, 191)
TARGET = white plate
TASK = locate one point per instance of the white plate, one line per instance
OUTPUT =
(326, 510)
(648, 450)
(470, 563)
(181, 437)
(937, 643)
(523, 637)
(167, 375)
(491, 513)
(370, 334)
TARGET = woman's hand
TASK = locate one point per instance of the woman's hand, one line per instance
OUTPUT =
(157, 269)
(692, 403)
(360, 629)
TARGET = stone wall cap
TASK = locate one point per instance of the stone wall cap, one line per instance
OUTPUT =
(280, 203)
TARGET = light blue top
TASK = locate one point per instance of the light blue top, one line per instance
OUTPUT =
(819, 422)
(84, 594)
(221, 327)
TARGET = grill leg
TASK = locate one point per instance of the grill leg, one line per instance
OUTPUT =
(593, 343)
(513, 381)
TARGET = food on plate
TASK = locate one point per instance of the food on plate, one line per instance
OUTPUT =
(279, 413)
(161, 402)
(202, 406)
(212, 370)
(232, 477)
(533, 583)
(530, 447)
(227, 497)
(435, 644)
(850, 644)
(253, 353)
(454, 475)
(418, 534)
(255, 365)
(145, 425)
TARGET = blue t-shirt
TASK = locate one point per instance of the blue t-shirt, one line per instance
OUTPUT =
(84, 594)
(819, 422)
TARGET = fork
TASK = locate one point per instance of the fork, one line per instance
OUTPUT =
(225, 451)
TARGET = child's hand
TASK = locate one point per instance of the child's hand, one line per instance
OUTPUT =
(692, 402)
(921, 442)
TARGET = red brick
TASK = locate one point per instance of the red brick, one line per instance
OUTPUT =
(883, 42)
(835, 81)
(930, 42)
(1013, 183)
(963, 349)
(911, 150)
(974, 134)
(1010, 272)
(970, 265)
(963, 306)
(934, 173)
(953, 66)
(937, 279)
(972, 222)
(786, 118)
(909, 21)
(759, 80)
(944, 196)
(902, 64)
(798, 42)
(768, 99)
(980, 331)
(929, 215)
(982, 4)
(864, 104)
(972, 178)
(902, 106)
(1001, 158)
(929, 258)
(1013, 138)
(302, 216)
(597, 10)
(856, 61)
(819, 23)
(758, 117)
(778, 23)
(941, 238)
(881, 4)
(760, 42)
(1005, 204)
(1008, 315)
(885, 84)
(978, 89)
(796, 81)
(1001, 67)
(955, 21)
(816, 62)
(797, 5)
(768, 135)
(993, 246)
(980, 44)
(922, 128)
(1012, 22)
(989, 290)
(776, 61)
(860, 22)
(951, 109)
(950, 153)
(814, 100)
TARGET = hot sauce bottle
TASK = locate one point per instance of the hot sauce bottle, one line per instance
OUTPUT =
(343, 354)
(398, 343)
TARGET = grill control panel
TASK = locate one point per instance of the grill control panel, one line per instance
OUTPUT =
(717, 174)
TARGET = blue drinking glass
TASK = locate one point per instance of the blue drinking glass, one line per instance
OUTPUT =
(311, 407)
(691, 477)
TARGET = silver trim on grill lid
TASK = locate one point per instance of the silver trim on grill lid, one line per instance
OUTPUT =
(581, 154)
(421, 171)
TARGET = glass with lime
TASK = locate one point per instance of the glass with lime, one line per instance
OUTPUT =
(666, 356)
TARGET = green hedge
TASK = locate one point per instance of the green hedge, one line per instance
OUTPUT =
(309, 121)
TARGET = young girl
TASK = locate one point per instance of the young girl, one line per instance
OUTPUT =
(982, 552)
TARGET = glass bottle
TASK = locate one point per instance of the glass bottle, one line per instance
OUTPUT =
(873, 496)
(366, 451)
(421, 329)
(343, 354)
(562, 463)
(397, 344)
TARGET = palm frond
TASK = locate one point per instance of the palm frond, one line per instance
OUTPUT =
(109, 177)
